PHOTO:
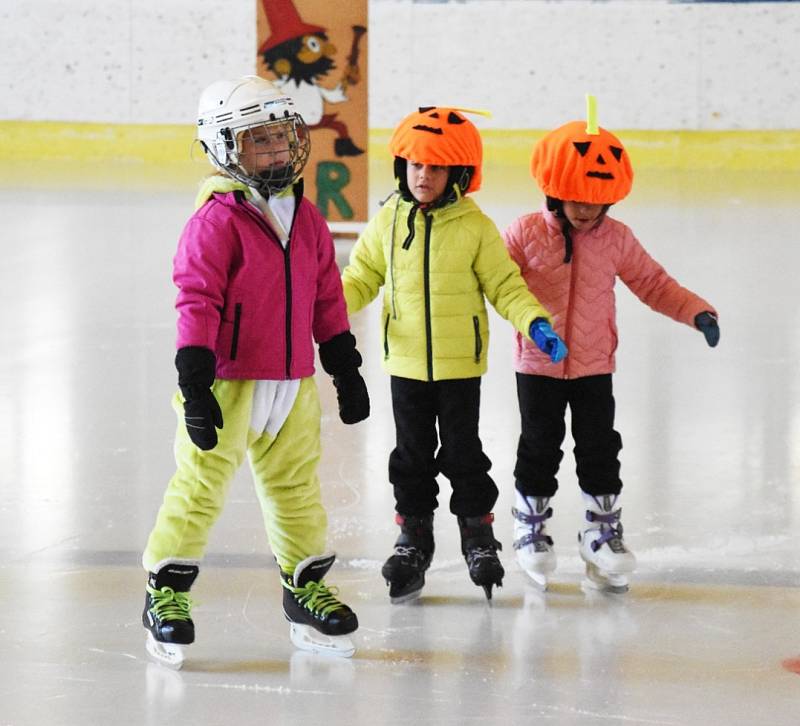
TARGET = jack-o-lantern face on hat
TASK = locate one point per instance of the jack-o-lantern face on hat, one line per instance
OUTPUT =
(440, 136)
(572, 164)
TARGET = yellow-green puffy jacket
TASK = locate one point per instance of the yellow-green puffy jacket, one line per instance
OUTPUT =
(435, 325)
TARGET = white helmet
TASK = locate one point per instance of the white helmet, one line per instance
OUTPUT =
(252, 132)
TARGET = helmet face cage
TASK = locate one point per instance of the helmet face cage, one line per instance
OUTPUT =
(268, 156)
(250, 131)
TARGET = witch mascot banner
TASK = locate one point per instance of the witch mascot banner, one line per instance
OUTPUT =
(316, 52)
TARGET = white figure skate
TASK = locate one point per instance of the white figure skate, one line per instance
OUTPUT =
(608, 560)
(533, 546)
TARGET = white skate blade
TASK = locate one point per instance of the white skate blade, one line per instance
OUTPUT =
(598, 580)
(167, 654)
(409, 597)
(539, 579)
(307, 638)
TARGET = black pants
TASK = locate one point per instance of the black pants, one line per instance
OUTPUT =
(542, 403)
(414, 463)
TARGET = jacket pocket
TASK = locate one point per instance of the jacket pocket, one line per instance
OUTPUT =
(237, 318)
(386, 337)
(476, 325)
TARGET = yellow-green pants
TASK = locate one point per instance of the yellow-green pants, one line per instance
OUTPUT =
(284, 468)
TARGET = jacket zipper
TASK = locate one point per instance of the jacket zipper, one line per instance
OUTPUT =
(237, 318)
(427, 285)
(287, 269)
(568, 320)
(478, 342)
(386, 337)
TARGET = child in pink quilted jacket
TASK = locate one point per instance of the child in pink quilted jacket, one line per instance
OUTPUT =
(570, 254)
(257, 285)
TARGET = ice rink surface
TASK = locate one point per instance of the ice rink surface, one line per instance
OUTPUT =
(711, 463)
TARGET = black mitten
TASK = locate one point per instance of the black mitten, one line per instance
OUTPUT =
(341, 360)
(201, 412)
(352, 395)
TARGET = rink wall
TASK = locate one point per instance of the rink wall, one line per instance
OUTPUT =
(686, 84)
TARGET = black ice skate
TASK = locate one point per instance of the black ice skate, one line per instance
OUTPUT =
(404, 571)
(479, 548)
(318, 621)
(166, 612)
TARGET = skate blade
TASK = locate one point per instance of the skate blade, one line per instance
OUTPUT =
(166, 654)
(408, 597)
(539, 580)
(598, 581)
(305, 637)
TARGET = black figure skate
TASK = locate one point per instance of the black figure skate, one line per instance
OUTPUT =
(404, 571)
(479, 548)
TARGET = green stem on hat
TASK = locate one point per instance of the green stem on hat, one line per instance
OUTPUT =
(591, 115)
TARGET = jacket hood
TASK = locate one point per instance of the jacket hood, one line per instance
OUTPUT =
(462, 206)
(217, 184)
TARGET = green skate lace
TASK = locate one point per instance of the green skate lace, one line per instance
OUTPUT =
(170, 605)
(316, 597)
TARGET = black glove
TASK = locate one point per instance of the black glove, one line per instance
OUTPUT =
(341, 360)
(351, 393)
(706, 323)
(201, 412)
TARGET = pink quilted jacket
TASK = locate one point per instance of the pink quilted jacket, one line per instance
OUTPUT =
(580, 294)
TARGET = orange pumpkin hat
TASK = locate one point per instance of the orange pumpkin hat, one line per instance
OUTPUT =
(581, 162)
(441, 136)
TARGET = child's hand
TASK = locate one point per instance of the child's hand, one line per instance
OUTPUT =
(547, 340)
(352, 395)
(706, 323)
(341, 360)
(202, 416)
(201, 412)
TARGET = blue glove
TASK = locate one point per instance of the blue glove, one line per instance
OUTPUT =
(547, 340)
(706, 323)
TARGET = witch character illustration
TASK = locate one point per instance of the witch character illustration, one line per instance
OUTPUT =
(301, 56)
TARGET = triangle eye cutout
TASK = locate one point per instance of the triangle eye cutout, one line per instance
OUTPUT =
(425, 109)
(454, 118)
(582, 146)
(616, 151)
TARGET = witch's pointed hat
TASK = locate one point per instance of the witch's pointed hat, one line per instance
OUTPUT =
(285, 24)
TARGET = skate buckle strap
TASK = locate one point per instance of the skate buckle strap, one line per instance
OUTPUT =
(610, 528)
(532, 519)
(532, 538)
(170, 605)
(537, 522)
(316, 597)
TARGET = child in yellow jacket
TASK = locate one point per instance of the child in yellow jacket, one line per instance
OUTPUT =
(438, 257)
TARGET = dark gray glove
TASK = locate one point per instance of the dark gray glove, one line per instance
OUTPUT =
(706, 323)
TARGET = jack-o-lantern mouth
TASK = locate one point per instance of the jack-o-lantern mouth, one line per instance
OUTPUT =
(429, 129)
(600, 174)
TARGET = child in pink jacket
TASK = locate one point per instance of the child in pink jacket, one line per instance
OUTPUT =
(570, 254)
(257, 286)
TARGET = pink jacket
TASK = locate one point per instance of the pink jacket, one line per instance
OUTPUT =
(254, 304)
(580, 294)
